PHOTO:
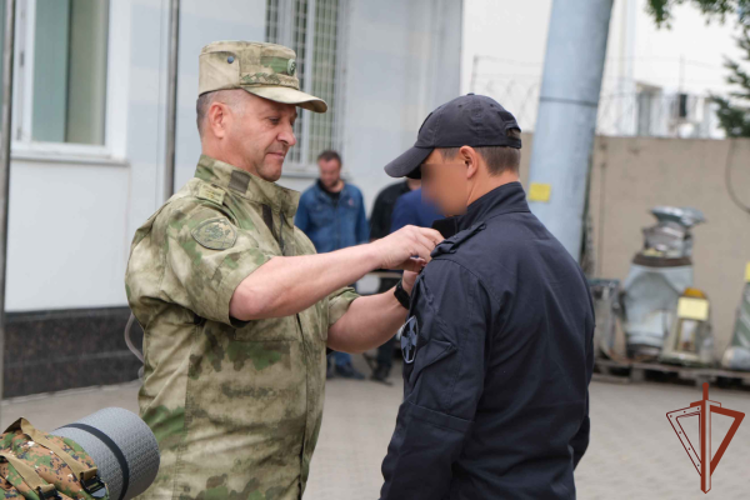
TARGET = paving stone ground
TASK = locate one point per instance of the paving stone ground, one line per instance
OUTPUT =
(634, 454)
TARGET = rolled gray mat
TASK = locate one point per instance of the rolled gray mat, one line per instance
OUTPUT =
(122, 446)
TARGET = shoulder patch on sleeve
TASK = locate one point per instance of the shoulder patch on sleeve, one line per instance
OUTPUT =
(409, 333)
(215, 234)
(449, 245)
(211, 193)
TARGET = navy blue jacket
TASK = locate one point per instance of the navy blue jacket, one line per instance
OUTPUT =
(333, 225)
(496, 398)
(411, 209)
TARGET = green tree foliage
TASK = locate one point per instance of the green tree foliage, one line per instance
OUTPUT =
(661, 10)
(734, 116)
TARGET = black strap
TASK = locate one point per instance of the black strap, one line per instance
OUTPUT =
(268, 219)
(113, 448)
(402, 295)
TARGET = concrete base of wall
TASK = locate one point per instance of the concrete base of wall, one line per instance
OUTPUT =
(56, 350)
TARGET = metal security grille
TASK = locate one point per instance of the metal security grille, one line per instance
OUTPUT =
(324, 73)
(272, 21)
(640, 109)
(313, 28)
(299, 44)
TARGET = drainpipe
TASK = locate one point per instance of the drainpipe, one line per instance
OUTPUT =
(174, 41)
(566, 121)
(169, 163)
(5, 119)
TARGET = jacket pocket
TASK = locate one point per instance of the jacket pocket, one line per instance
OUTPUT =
(282, 328)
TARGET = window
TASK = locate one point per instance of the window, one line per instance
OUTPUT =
(60, 87)
(312, 28)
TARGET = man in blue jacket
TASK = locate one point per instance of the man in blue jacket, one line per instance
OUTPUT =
(332, 214)
(413, 209)
(497, 345)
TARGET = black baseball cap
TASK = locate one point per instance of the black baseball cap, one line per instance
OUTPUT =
(469, 120)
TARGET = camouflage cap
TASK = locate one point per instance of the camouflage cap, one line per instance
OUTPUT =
(264, 69)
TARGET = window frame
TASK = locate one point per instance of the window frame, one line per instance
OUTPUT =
(22, 144)
(285, 18)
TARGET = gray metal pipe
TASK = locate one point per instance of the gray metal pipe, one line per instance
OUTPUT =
(6, 122)
(566, 121)
(174, 51)
(171, 139)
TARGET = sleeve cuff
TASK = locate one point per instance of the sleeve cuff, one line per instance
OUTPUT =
(339, 303)
(227, 287)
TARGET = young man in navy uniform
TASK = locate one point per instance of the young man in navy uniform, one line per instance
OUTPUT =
(498, 341)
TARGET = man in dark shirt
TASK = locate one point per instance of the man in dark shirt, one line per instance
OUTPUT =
(380, 219)
(380, 227)
(498, 341)
(410, 209)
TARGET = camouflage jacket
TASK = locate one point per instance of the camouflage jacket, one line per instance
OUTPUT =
(236, 406)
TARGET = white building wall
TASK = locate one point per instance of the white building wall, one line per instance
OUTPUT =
(201, 23)
(403, 61)
(149, 28)
(66, 237)
(72, 218)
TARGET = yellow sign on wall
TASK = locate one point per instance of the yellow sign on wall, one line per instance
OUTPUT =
(690, 308)
(747, 273)
(539, 192)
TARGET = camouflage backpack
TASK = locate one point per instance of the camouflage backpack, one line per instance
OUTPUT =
(39, 466)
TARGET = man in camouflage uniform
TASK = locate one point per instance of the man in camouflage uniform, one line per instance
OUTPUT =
(237, 308)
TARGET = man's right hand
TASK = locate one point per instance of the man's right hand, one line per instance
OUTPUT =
(408, 248)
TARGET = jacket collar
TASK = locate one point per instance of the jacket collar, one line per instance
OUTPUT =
(322, 194)
(504, 199)
(248, 186)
